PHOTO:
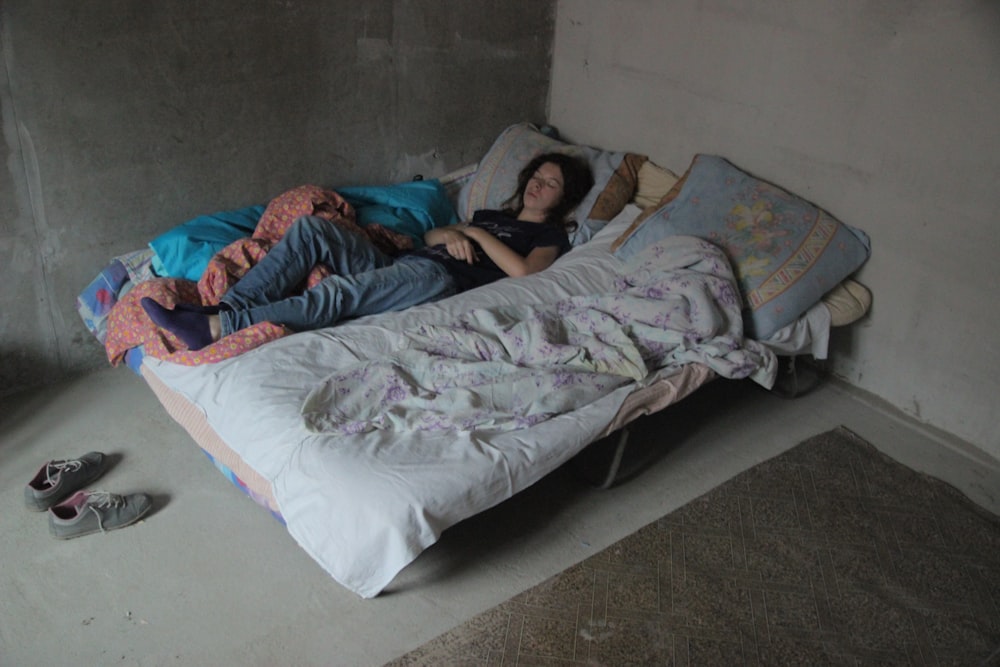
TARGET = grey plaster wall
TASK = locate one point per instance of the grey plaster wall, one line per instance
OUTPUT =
(885, 113)
(123, 118)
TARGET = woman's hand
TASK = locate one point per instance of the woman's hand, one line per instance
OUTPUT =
(460, 246)
(455, 241)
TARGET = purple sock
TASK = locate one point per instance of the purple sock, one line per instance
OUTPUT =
(188, 325)
(195, 308)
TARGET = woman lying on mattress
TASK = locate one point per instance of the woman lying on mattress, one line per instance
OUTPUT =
(525, 237)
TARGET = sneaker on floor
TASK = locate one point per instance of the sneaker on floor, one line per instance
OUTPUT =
(89, 512)
(58, 479)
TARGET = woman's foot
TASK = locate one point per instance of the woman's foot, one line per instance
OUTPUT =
(192, 324)
(195, 308)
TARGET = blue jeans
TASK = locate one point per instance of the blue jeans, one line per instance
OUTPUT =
(365, 281)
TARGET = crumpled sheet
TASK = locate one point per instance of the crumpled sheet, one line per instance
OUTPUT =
(511, 367)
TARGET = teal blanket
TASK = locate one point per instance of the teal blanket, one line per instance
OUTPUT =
(408, 208)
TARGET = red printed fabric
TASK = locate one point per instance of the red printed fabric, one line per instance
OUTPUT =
(313, 200)
(129, 326)
(286, 208)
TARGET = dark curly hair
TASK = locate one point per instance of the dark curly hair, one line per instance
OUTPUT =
(577, 182)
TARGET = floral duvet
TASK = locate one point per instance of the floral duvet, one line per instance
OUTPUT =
(511, 367)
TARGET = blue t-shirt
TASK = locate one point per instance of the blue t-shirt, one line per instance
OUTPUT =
(520, 236)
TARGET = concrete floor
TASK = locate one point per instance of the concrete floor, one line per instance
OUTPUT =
(211, 579)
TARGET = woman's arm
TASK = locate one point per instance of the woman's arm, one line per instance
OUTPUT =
(453, 237)
(441, 235)
(508, 260)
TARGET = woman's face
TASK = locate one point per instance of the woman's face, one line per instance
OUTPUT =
(544, 189)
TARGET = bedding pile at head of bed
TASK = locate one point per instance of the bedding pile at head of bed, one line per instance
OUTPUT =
(372, 437)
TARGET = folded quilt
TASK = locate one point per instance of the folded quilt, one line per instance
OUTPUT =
(96, 301)
(507, 368)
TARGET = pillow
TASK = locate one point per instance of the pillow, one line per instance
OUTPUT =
(184, 251)
(786, 252)
(653, 184)
(847, 302)
(647, 212)
(410, 208)
(495, 179)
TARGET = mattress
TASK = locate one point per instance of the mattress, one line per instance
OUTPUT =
(640, 402)
(222, 456)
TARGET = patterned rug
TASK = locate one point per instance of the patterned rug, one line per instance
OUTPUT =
(831, 553)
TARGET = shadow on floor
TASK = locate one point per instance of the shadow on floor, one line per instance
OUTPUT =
(652, 437)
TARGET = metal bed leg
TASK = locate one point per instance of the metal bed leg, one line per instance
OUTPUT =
(616, 460)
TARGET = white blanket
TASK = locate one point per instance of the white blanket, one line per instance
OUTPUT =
(364, 505)
(512, 367)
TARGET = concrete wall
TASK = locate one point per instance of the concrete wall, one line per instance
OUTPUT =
(884, 113)
(123, 118)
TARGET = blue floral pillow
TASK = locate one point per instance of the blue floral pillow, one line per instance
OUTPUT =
(786, 252)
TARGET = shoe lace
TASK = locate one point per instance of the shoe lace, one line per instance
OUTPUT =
(98, 500)
(56, 468)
